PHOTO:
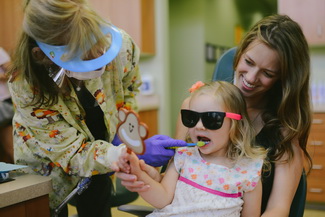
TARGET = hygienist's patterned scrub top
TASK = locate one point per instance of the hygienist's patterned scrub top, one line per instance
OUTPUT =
(55, 141)
(206, 189)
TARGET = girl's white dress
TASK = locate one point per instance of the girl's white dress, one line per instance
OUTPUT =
(205, 189)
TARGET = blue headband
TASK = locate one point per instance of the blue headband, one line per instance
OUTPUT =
(76, 64)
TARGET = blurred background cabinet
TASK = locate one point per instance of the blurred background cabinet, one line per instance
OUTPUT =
(150, 118)
(11, 17)
(136, 17)
(316, 148)
(310, 15)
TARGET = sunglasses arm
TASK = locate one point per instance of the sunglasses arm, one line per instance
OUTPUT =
(233, 116)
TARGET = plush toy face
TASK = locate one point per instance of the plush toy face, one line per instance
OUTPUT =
(131, 131)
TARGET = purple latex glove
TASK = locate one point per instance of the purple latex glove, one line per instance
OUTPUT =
(156, 153)
(116, 141)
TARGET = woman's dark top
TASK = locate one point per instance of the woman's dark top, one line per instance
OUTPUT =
(268, 137)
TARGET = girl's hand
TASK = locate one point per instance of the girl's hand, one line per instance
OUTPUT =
(134, 163)
(130, 182)
(122, 163)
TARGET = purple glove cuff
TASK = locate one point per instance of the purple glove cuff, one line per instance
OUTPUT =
(156, 153)
(116, 141)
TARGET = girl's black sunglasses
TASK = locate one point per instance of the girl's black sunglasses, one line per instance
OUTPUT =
(210, 120)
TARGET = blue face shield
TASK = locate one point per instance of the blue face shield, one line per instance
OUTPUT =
(77, 66)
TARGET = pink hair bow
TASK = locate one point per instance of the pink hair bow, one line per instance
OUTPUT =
(196, 86)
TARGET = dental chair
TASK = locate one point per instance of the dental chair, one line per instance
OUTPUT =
(224, 71)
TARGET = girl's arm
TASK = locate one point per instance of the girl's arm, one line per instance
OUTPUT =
(161, 193)
(252, 202)
(286, 180)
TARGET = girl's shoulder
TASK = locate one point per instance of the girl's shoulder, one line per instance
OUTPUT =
(250, 171)
(248, 165)
(184, 154)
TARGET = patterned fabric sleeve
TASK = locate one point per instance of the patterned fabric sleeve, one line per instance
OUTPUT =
(42, 134)
(253, 174)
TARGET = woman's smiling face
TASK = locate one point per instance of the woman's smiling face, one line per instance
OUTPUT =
(257, 70)
(216, 140)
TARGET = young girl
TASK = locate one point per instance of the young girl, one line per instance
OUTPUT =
(220, 178)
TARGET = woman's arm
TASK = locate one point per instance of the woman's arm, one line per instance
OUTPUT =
(252, 202)
(286, 180)
(131, 182)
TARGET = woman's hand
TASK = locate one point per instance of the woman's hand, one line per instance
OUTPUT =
(157, 153)
(132, 184)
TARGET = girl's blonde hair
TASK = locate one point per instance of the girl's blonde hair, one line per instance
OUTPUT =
(56, 22)
(242, 134)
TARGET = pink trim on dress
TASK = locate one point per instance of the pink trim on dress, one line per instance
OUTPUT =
(222, 194)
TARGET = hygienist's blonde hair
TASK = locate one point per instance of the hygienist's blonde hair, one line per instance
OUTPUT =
(55, 22)
(64, 22)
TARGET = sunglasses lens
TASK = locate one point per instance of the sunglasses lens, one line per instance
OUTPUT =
(189, 118)
(212, 120)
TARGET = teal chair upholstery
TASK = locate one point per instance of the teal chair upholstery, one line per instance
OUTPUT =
(121, 195)
(224, 70)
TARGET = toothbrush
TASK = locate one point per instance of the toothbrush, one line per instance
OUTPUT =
(199, 144)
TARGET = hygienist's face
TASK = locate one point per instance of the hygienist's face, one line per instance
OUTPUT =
(57, 73)
(257, 70)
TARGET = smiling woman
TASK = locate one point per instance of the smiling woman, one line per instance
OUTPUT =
(257, 70)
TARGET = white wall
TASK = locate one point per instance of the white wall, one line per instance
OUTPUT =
(158, 65)
(317, 62)
(193, 23)
(186, 50)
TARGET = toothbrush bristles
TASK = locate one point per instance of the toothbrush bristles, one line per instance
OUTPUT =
(200, 143)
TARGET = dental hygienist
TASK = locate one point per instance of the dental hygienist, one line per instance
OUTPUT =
(71, 73)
